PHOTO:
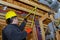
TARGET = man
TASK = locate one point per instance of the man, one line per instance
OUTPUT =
(12, 31)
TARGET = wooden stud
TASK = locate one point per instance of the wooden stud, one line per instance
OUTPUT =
(42, 29)
(57, 35)
(34, 33)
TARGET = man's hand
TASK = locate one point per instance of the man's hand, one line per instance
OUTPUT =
(28, 30)
(25, 19)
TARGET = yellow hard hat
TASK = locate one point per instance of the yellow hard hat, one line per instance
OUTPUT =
(10, 14)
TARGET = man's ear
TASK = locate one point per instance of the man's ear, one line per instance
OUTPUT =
(11, 20)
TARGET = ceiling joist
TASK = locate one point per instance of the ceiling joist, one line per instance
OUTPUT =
(40, 6)
(18, 7)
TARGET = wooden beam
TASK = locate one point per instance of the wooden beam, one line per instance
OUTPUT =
(42, 29)
(34, 33)
(58, 35)
(44, 17)
(18, 7)
(51, 17)
(35, 4)
(58, 0)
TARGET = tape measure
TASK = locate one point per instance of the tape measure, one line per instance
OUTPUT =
(32, 11)
(33, 17)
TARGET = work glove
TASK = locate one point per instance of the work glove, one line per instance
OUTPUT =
(25, 19)
(28, 30)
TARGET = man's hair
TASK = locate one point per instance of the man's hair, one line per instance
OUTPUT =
(10, 20)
